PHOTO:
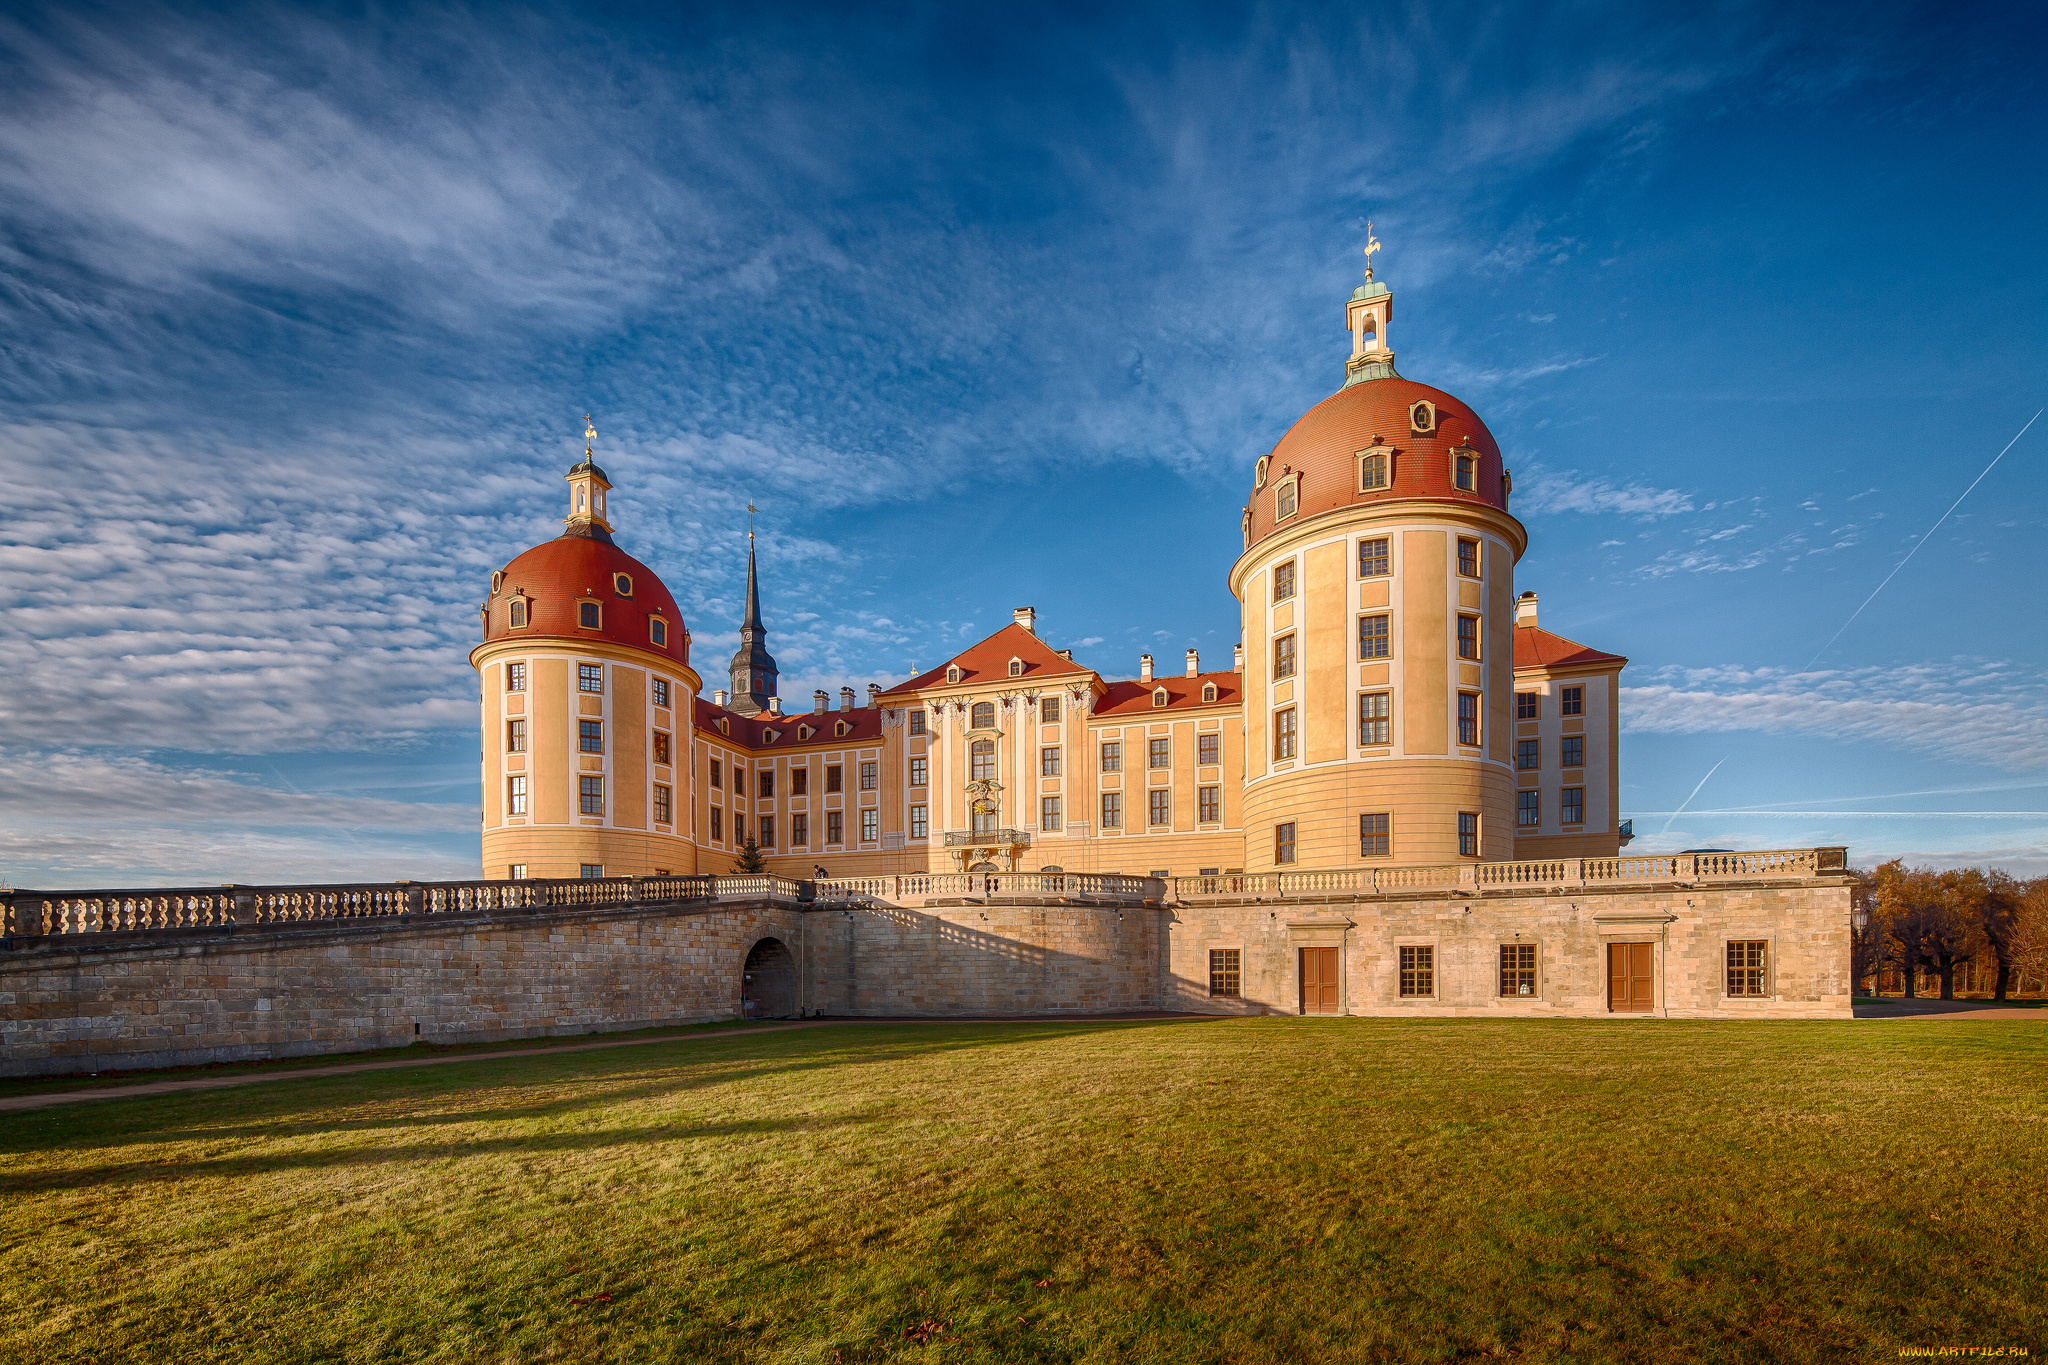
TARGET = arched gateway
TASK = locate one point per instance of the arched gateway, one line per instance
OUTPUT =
(768, 981)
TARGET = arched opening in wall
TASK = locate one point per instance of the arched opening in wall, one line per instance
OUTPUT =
(984, 867)
(1369, 333)
(768, 981)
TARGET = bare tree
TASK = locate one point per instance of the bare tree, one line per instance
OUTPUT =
(2030, 931)
(1992, 903)
(1926, 924)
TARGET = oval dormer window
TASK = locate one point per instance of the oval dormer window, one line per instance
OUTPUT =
(622, 584)
(1259, 474)
(497, 582)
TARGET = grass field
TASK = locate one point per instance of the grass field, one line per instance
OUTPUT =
(1243, 1190)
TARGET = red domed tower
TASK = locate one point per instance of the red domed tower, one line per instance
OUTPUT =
(1377, 589)
(587, 695)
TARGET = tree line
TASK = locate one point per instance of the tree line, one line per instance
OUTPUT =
(1914, 919)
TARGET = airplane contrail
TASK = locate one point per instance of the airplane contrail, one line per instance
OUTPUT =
(1917, 544)
(1691, 794)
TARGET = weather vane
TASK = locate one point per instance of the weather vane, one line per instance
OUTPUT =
(1372, 244)
(751, 509)
(590, 432)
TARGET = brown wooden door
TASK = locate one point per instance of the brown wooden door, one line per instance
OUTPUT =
(1319, 981)
(1630, 989)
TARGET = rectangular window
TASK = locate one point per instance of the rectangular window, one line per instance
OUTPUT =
(1372, 472)
(1226, 971)
(717, 823)
(1049, 761)
(518, 871)
(515, 677)
(1468, 833)
(1049, 812)
(1283, 657)
(920, 770)
(1049, 710)
(590, 677)
(1112, 810)
(1375, 838)
(1372, 637)
(1518, 969)
(1528, 809)
(661, 691)
(515, 796)
(1283, 843)
(1528, 754)
(590, 792)
(515, 736)
(1464, 472)
(1525, 706)
(1418, 969)
(1159, 754)
(870, 774)
(661, 747)
(1468, 718)
(766, 824)
(767, 784)
(1746, 962)
(835, 826)
(590, 736)
(920, 824)
(593, 871)
(800, 780)
(799, 831)
(1468, 637)
(1159, 807)
(1283, 733)
(661, 805)
(1571, 701)
(1287, 499)
(1112, 757)
(717, 773)
(1283, 581)
(1571, 808)
(870, 824)
(739, 828)
(1374, 708)
(589, 616)
(1574, 752)
(1372, 558)
(1209, 804)
(832, 778)
(1468, 558)
(917, 722)
(1208, 748)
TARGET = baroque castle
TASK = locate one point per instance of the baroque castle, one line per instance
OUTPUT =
(1392, 702)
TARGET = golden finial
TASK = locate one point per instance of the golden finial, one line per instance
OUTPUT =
(1372, 244)
(590, 432)
(751, 509)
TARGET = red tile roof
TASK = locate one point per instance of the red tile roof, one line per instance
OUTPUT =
(1182, 694)
(1538, 648)
(556, 576)
(990, 660)
(751, 732)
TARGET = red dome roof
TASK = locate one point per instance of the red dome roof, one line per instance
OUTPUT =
(555, 578)
(1323, 448)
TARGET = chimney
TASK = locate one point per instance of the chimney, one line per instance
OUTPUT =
(1026, 617)
(1194, 663)
(874, 696)
(1525, 609)
(820, 703)
(775, 706)
(846, 699)
(718, 697)
(1066, 654)
(1237, 657)
(1144, 668)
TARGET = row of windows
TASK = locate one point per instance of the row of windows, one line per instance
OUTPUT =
(589, 740)
(1747, 969)
(1571, 807)
(1375, 723)
(589, 678)
(1571, 752)
(799, 778)
(589, 616)
(1159, 807)
(1375, 561)
(1571, 701)
(765, 830)
(1375, 474)
(1376, 836)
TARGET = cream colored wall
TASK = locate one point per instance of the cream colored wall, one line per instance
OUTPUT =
(1600, 726)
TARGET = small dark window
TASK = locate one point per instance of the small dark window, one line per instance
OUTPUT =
(1574, 752)
(1572, 806)
(515, 736)
(1372, 558)
(661, 691)
(1464, 472)
(717, 823)
(983, 716)
(870, 776)
(590, 677)
(1746, 963)
(518, 613)
(1468, 833)
(589, 615)
(1468, 558)
(717, 773)
(1016, 668)
(515, 677)
(1283, 657)
(1283, 734)
(917, 722)
(1468, 637)
(1208, 748)
(1210, 804)
(590, 736)
(1283, 843)
(1226, 971)
(1287, 501)
(1528, 754)
(1283, 581)
(800, 781)
(661, 747)
(799, 831)
(661, 805)
(1571, 701)
(766, 782)
(1113, 757)
(1528, 809)
(1048, 762)
(1518, 969)
(832, 781)
(1418, 969)
(981, 761)
(1468, 718)
(766, 824)
(657, 631)
(1525, 706)
(1112, 810)
(1159, 807)
(590, 791)
(1372, 473)
(1159, 754)
(1373, 642)
(835, 827)
(1049, 710)
(1374, 838)
(1373, 723)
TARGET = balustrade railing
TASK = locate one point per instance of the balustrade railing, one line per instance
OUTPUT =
(918, 887)
(1564, 873)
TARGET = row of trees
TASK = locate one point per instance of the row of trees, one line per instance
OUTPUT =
(1914, 919)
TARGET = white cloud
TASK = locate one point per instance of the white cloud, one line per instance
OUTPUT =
(1539, 488)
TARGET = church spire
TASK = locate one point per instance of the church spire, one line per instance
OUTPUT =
(753, 667)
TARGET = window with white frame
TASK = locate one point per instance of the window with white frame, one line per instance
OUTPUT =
(515, 795)
(1049, 761)
(1372, 558)
(920, 826)
(870, 825)
(1159, 754)
(1208, 749)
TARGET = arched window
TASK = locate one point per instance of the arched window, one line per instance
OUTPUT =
(623, 584)
(1159, 696)
(1464, 470)
(518, 612)
(1287, 498)
(953, 674)
(983, 716)
(1208, 691)
(589, 616)
(1372, 470)
(657, 631)
(1369, 331)
(982, 760)
(1016, 668)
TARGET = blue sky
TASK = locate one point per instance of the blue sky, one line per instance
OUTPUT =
(300, 312)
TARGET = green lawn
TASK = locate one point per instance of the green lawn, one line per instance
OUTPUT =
(1244, 1190)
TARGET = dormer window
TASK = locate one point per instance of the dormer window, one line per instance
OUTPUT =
(497, 582)
(589, 616)
(1016, 668)
(516, 613)
(622, 584)
(1372, 469)
(841, 727)
(1208, 691)
(657, 631)
(1464, 469)
(1422, 417)
(771, 735)
(724, 726)
(1259, 473)
(1159, 696)
(1287, 498)
(953, 673)
(804, 732)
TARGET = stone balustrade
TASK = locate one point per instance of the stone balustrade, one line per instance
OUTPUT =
(922, 888)
(37, 914)
(1554, 874)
